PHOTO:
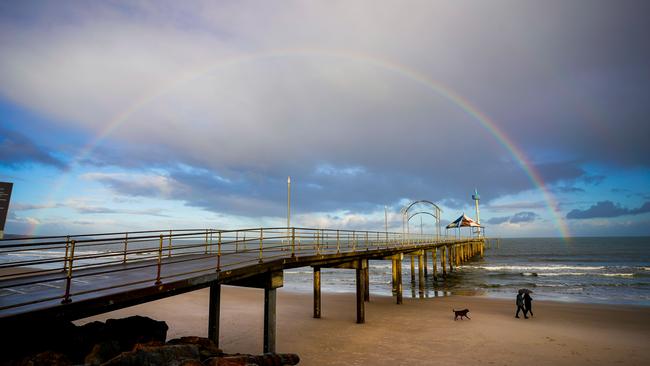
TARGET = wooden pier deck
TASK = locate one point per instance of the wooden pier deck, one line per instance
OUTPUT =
(79, 276)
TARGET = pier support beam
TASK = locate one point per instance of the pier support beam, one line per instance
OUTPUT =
(451, 258)
(269, 319)
(421, 274)
(398, 265)
(317, 302)
(426, 264)
(361, 292)
(434, 254)
(412, 269)
(366, 276)
(214, 312)
(443, 260)
(394, 270)
(269, 281)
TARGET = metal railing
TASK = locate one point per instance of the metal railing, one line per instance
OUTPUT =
(55, 261)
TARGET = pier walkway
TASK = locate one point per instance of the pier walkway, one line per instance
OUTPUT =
(73, 277)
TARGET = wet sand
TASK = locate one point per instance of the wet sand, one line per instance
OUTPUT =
(419, 332)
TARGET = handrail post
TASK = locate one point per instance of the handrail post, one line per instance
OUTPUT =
(66, 297)
(126, 245)
(261, 243)
(366, 240)
(338, 242)
(354, 237)
(65, 259)
(206, 241)
(236, 241)
(219, 253)
(160, 249)
(169, 250)
(293, 242)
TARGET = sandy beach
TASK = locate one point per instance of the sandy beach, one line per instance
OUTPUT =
(419, 332)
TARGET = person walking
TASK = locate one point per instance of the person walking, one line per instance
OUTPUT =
(528, 303)
(520, 306)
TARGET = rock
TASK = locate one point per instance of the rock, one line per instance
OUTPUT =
(228, 361)
(135, 329)
(207, 347)
(276, 359)
(147, 346)
(102, 352)
(170, 355)
(267, 359)
(190, 362)
(32, 336)
(47, 358)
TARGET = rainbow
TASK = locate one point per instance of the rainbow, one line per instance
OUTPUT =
(436, 87)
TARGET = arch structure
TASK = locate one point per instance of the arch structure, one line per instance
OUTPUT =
(406, 216)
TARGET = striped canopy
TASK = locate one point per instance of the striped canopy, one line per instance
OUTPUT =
(463, 221)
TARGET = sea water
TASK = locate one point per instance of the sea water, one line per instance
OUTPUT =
(590, 270)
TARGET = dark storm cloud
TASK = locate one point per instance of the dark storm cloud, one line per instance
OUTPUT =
(606, 209)
(17, 149)
(518, 218)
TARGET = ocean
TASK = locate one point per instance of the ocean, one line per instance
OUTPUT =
(604, 270)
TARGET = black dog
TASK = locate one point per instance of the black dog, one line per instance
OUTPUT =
(461, 314)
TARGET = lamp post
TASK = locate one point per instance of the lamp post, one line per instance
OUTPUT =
(288, 202)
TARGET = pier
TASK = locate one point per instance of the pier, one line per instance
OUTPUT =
(85, 275)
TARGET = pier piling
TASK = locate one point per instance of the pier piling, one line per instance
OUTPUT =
(214, 312)
(317, 303)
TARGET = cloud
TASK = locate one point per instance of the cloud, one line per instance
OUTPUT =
(523, 217)
(518, 218)
(17, 149)
(353, 107)
(604, 209)
(498, 220)
(569, 189)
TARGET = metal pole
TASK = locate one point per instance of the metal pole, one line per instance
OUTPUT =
(169, 245)
(126, 242)
(158, 281)
(65, 260)
(261, 243)
(288, 204)
(66, 297)
(219, 253)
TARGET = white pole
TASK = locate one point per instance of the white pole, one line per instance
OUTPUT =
(288, 202)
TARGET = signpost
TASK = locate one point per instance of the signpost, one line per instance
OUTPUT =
(5, 196)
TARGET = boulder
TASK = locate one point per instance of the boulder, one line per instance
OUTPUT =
(135, 329)
(267, 359)
(102, 352)
(207, 347)
(169, 355)
(47, 358)
(228, 361)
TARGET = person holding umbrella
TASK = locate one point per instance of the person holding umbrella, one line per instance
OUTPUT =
(520, 305)
(528, 302)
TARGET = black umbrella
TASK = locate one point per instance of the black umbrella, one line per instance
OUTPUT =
(525, 291)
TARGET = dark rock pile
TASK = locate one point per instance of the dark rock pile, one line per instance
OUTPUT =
(130, 341)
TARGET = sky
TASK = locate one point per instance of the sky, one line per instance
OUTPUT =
(134, 115)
